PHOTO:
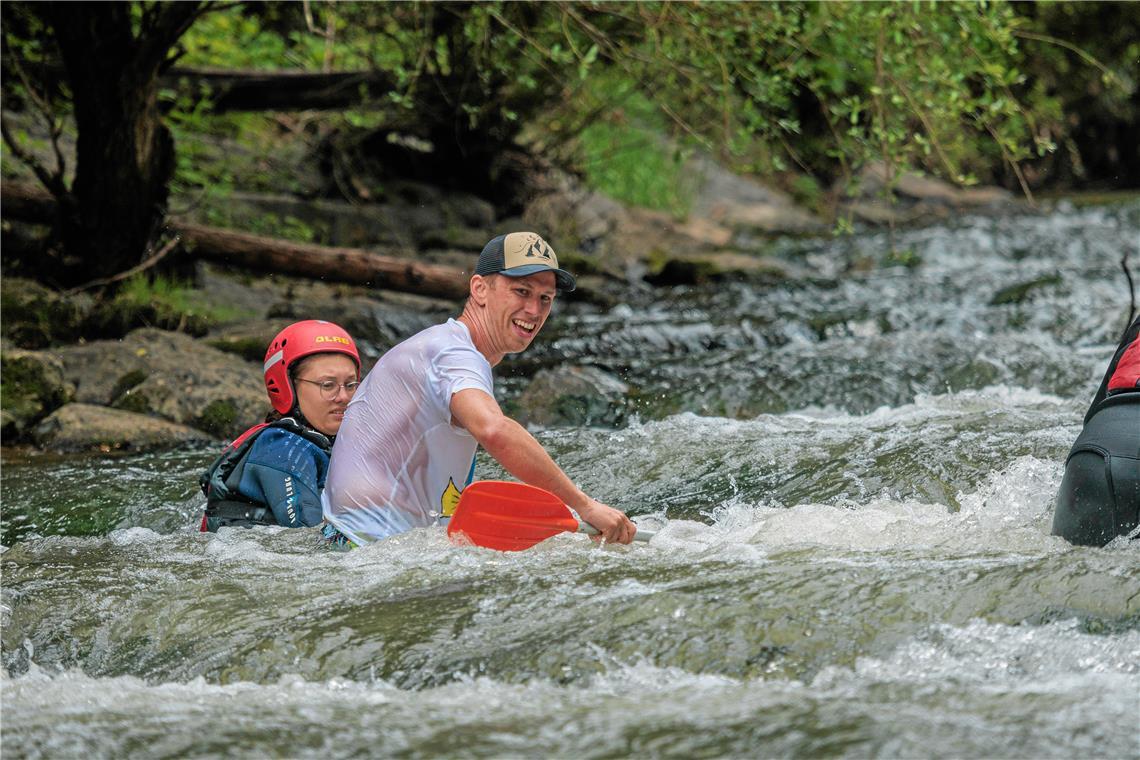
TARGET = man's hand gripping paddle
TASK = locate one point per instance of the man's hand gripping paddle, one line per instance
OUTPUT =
(497, 514)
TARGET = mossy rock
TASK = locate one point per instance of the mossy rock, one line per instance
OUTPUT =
(714, 267)
(218, 418)
(250, 349)
(128, 381)
(118, 316)
(32, 385)
(132, 402)
(249, 339)
(573, 395)
(682, 272)
(905, 257)
(1021, 292)
(34, 317)
(582, 266)
(122, 396)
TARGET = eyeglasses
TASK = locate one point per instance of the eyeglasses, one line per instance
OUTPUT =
(330, 388)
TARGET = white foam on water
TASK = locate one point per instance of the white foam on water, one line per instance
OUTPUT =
(1016, 500)
(969, 690)
(1010, 512)
(989, 655)
(926, 406)
(815, 420)
(1049, 690)
(128, 536)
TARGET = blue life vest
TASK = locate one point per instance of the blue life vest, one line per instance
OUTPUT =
(226, 505)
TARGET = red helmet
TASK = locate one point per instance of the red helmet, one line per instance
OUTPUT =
(295, 342)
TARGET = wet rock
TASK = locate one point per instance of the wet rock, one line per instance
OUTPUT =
(171, 376)
(86, 427)
(33, 386)
(1022, 291)
(918, 199)
(986, 197)
(731, 200)
(574, 395)
(880, 211)
(706, 231)
(712, 267)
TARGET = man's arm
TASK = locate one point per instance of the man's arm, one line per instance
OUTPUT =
(522, 456)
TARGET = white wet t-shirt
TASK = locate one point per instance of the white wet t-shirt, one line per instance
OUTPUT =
(398, 463)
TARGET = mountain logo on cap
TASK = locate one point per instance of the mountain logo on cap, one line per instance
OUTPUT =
(538, 249)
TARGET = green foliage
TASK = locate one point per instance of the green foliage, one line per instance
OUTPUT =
(217, 154)
(827, 87)
(832, 86)
(634, 165)
(1082, 59)
(807, 191)
(27, 51)
(287, 227)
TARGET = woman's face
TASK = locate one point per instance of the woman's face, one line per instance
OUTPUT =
(324, 407)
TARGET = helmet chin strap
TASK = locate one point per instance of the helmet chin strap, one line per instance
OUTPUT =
(295, 412)
(300, 418)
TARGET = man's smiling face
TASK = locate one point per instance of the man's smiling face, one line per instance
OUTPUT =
(518, 308)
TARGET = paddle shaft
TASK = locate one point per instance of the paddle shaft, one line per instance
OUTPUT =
(640, 535)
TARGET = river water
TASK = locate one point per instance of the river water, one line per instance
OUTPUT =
(852, 479)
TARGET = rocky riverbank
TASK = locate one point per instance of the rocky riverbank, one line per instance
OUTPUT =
(87, 375)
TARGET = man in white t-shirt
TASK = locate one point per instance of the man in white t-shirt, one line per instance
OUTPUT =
(407, 445)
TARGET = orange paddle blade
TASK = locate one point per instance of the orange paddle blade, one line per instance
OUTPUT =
(497, 514)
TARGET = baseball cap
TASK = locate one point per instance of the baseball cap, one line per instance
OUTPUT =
(518, 254)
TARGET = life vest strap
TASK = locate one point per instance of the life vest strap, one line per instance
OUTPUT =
(230, 512)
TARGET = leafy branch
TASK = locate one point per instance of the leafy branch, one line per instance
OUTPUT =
(52, 180)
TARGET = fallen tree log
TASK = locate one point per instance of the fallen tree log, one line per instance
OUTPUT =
(352, 265)
(31, 203)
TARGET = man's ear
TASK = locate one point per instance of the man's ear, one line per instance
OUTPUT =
(479, 287)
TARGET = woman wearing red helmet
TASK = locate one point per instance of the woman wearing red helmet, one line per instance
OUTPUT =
(274, 472)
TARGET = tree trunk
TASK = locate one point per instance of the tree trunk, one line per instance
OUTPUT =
(124, 153)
